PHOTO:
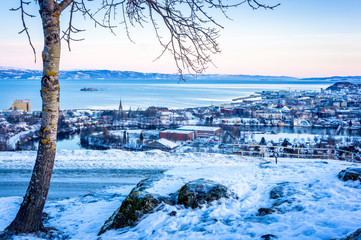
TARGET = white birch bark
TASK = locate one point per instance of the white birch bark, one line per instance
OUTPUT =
(29, 216)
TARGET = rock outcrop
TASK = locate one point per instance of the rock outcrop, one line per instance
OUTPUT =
(282, 190)
(353, 174)
(201, 191)
(284, 200)
(268, 237)
(140, 202)
(265, 211)
(354, 236)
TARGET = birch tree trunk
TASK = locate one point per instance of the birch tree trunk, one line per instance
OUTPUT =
(28, 219)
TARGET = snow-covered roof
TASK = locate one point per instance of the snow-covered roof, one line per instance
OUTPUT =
(134, 131)
(199, 128)
(86, 111)
(167, 143)
(178, 131)
(165, 113)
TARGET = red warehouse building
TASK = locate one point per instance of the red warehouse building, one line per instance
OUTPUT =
(203, 131)
(177, 135)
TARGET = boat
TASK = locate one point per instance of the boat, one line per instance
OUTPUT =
(89, 89)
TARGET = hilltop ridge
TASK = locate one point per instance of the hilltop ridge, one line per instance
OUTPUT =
(343, 85)
(14, 73)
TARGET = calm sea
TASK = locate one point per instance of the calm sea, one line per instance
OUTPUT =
(142, 93)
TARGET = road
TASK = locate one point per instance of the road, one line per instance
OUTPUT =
(67, 183)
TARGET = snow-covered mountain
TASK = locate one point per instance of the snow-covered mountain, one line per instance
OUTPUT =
(11, 73)
(14, 73)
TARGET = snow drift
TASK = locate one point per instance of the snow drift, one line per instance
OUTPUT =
(315, 203)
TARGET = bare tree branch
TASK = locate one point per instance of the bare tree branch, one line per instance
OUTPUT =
(64, 4)
(192, 29)
(71, 29)
(255, 5)
(192, 38)
(105, 6)
(25, 29)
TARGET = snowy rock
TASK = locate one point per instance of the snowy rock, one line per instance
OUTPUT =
(201, 191)
(281, 201)
(350, 174)
(265, 164)
(354, 236)
(268, 237)
(265, 211)
(173, 213)
(283, 194)
(137, 204)
(282, 190)
(140, 201)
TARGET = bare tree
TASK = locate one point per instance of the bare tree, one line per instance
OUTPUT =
(192, 35)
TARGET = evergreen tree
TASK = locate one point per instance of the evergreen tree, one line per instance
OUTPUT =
(124, 137)
(285, 143)
(207, 120)
(263, 141)
(141, 138)
(18, 146)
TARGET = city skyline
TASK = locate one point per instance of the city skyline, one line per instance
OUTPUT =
(296, 39)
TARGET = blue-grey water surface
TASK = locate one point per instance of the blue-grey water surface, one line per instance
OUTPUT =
(142, 93)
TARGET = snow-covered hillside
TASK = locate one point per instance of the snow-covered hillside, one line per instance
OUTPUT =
(317, 205)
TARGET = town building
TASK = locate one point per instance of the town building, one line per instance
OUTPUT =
(161, 144)
(267, 114)
(21, 105)
(203, 131)
(177, 135)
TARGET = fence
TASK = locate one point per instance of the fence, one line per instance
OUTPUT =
(294, 152)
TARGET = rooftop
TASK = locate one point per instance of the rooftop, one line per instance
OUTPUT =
(198, 128)
(177, 131)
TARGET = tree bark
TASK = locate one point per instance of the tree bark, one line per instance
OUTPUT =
(28, 219)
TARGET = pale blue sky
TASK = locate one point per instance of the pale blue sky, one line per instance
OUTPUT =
(301, 38)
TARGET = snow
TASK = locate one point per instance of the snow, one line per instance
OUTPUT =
(178, 131)
(295, 137)
(8, 206)
(14, 139)
(199, 128)
(280, 136)
(323, 206)
(167, 143)
(120, 133)
(117, 159)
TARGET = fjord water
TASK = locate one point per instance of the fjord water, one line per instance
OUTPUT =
(143, 93)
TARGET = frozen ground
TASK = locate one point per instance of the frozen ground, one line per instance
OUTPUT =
(321, 206)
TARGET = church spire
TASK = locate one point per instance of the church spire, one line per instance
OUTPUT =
(120, 110)
(120, 106)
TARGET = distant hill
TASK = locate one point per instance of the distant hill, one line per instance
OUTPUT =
(343, 85)
(354, 79)
(82, 74)
(109, 74)
(12, 73)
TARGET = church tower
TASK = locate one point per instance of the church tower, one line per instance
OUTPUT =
(120, 110)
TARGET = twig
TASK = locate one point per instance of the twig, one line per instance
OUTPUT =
(25, 29)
